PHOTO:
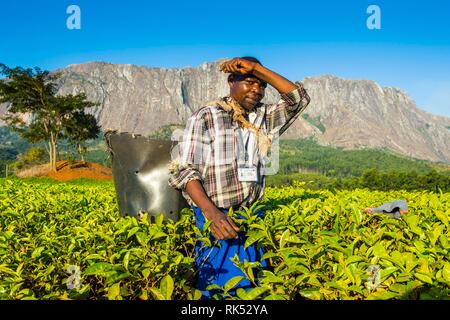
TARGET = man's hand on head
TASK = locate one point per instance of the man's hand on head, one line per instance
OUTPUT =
(247, 66)
(238, 65)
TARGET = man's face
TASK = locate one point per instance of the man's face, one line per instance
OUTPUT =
(248, 91)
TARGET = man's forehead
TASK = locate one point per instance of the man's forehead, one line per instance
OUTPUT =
(243, 77)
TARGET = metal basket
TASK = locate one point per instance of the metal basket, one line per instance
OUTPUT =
(139, 166)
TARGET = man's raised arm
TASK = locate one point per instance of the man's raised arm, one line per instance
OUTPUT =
(238, 65)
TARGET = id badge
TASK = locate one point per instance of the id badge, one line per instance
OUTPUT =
(247, 174)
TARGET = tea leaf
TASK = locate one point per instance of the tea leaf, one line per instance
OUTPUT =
(166, 287)
(232, 283)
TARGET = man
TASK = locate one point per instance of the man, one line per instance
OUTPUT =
(221, 164)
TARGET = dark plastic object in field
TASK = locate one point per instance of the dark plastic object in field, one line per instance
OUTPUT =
(139, 166)
(392, 208)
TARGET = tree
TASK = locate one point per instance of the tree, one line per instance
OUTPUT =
(81, 127)
(165, 132)
(371, 179)
(33, 92)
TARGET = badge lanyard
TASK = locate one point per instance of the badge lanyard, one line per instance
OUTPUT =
(244, 148)
(248, 173)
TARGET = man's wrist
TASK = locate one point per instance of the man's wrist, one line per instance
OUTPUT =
(209, 210)
(259, 70)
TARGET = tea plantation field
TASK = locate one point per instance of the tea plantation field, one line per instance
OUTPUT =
(68, 241)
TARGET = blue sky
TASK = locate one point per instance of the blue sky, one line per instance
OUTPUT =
(298, 38)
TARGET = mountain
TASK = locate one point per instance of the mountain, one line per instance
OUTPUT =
(346, 113)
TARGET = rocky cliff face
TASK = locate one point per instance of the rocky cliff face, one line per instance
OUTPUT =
(360, 113)
(347, 113)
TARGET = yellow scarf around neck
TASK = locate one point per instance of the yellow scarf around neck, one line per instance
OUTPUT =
(238, 114)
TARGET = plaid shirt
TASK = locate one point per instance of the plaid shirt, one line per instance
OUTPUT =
(210, 146)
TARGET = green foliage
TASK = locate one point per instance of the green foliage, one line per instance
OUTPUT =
(99, 156)
(312, 180)
(307, 156)
(371, 179)
(433, 181)
(47, 227)
(321, 167)
(315, 122)
(165, 131)
(33, 92)
(11, 144)
(32, 156)
(319, 245)
(79, 128)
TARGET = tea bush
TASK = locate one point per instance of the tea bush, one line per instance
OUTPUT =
(67, 241)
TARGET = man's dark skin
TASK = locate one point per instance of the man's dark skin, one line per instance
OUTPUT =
(248, 89)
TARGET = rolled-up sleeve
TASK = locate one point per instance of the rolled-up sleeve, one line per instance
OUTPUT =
(291, 105)
(194, 151)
